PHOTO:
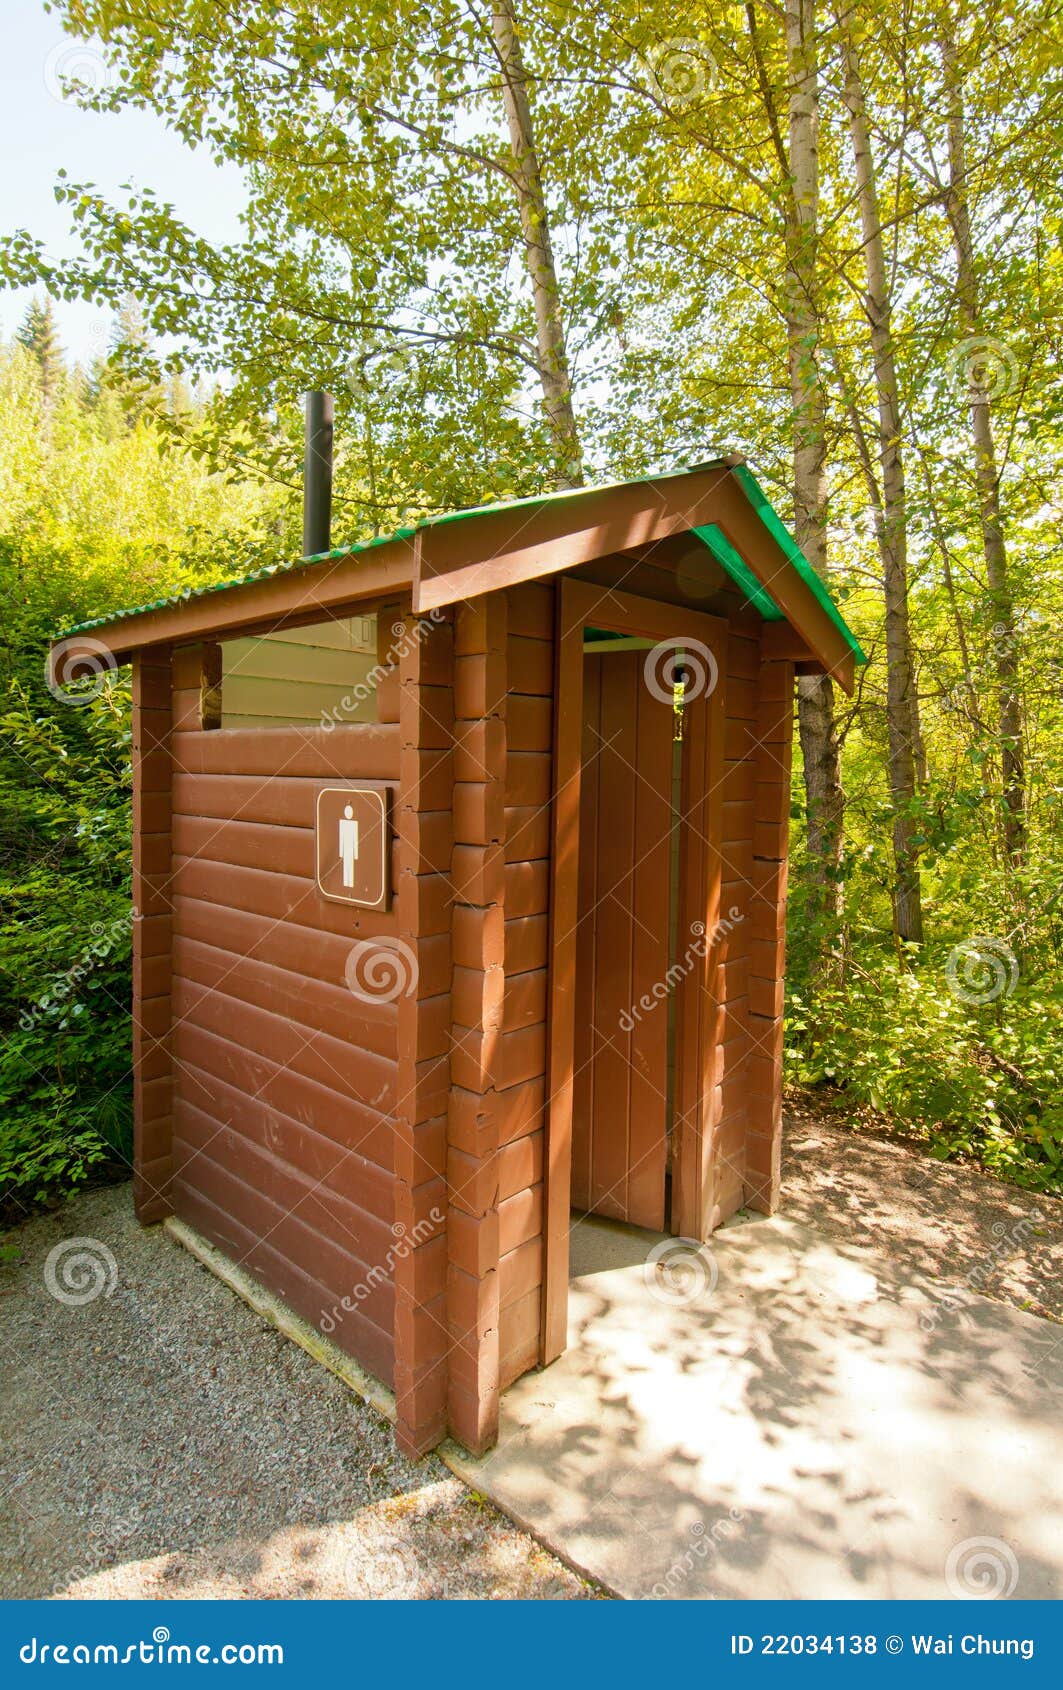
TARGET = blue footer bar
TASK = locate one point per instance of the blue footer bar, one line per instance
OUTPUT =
(545, 1644)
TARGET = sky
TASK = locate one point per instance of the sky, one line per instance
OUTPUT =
(42, 133)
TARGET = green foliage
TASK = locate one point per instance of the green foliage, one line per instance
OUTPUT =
(96, 511)
(382, 256)
(972, 1082)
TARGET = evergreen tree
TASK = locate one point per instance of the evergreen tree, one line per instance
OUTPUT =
(40, 336)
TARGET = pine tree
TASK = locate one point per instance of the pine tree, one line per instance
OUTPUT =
(40, 336)
(131, 372)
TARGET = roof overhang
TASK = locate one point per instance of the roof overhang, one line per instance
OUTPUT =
(316, 589)
(501, 547)
(469, 553)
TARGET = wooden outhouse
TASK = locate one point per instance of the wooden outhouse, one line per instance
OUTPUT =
(459, 886)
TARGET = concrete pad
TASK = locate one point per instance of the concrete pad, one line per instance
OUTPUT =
(782, 1415)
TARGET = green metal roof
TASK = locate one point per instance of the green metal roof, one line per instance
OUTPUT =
(712, 536)
(784, 539)
(739, 571)
(188, 593)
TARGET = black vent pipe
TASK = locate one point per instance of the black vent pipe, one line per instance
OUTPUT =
(317, 474)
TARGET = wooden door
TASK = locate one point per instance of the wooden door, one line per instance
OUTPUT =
(620, 1101)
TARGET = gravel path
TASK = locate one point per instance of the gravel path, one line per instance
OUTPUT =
(162, 1440)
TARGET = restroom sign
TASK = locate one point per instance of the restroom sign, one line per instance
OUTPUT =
(353, 846)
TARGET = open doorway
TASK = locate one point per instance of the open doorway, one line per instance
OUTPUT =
(635, 891)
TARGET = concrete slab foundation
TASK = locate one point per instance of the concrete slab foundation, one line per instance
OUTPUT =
(776, 1415)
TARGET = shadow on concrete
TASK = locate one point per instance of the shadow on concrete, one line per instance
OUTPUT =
(779, 1414)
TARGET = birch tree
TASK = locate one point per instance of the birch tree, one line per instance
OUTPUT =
(892, 530)
(799, 179)
(398, 246)
(554, 373)
(985, 470)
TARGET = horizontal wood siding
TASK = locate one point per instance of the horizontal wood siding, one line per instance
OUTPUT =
(286, 1081)
(324, 672)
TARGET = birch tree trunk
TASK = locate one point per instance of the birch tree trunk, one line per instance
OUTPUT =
(987, 479)
(901, 706)
(554, 372)
(817, 728)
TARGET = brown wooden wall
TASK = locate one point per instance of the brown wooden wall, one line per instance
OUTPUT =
(503, 680)
(285, 1082)
(302, 675)
(528, 784)
(390, 1151)
(152, 936)
(772, 753)
(620, 1083)
(423, 905)
(745, 1028)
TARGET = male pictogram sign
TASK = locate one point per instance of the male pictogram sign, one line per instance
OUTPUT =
(353, 847)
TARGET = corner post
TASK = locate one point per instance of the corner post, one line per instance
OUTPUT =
(772, 752)
(152, 935)
(478, 876)
(425, 663)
